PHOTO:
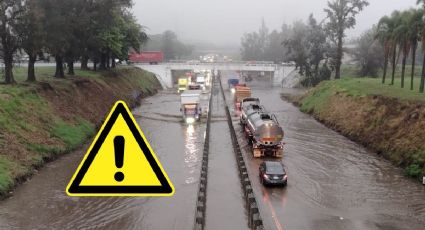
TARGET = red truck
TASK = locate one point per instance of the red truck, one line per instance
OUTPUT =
(152, 57)
(241, 92)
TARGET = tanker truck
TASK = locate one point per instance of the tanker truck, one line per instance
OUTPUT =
(261, 129)
(249, 106)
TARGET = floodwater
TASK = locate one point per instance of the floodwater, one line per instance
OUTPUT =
(333, 183)
(42, 203)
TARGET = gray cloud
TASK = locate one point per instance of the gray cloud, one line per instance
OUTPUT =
(224, 21)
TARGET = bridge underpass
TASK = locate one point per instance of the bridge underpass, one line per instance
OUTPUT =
(281, 74)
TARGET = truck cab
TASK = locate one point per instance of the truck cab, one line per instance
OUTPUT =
(200, 80)
(191, 106)
(182, 84)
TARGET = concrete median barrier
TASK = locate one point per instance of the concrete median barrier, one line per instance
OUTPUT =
(254, 217)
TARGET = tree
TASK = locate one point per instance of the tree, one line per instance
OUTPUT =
(422, 37)
(32, 34)
(422, 83)
(402, 38)
(317, 43)
(11, 13)
(58, 30)
(307, 46)
(134, 36)
(254, 45)
(341, 15)
(368, 53)
(263, 39)
(415, 22)
(298, 50)
(168, 41)
(384, 36)
(169, 44)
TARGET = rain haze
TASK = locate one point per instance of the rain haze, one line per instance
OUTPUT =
(223, 22)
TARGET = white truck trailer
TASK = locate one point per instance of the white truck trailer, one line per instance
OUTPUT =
(191, 105)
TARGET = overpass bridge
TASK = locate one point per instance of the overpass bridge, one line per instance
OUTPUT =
(279, 73)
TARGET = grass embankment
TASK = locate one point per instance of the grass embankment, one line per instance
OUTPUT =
(39, 121)
(386, 119)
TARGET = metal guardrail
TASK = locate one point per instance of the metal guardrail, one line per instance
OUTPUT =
(183, 62)
(255, 222)
(220, 62)
(186, 62)
(201, 201)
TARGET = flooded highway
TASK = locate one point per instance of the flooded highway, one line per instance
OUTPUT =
(42, 203)
(333, 183)
(225, 209)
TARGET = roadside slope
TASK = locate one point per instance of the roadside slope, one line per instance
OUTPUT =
(389, 123)
(41, 121)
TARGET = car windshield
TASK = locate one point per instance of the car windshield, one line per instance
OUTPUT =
(275, 169)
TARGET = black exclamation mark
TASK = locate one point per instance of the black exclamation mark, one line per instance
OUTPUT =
(119, 143)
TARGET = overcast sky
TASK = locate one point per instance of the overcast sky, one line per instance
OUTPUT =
(225, 21)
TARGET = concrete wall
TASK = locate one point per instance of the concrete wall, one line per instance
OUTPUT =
(163, 71)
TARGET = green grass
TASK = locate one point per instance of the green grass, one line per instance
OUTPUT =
(317, 98)
(18, 102)
(413, 170)
(46, 73)
(73, 135)
(33, 130)
(318, 101)
(360, 87)
(373, 86)
(6, 179)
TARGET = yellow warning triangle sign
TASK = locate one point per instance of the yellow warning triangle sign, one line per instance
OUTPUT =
(120, 162)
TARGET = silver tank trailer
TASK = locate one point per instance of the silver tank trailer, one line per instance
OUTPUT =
(249, 106)
(264, 129)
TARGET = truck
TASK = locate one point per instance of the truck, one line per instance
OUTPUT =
(249, 106)
(241, 92)
(183, 83)
(231, 83)
(191, 105)
(200, 80)
(264, 134)
(151, 57)
(261, 129)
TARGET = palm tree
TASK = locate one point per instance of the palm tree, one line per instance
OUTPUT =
(422, 36)
(384, 36)
(415, 23)
(402, 38)
(394, 22)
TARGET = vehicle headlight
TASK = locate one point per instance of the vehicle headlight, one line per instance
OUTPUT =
(232, 90)
(266, 176)
(285, 177)
(190, 120)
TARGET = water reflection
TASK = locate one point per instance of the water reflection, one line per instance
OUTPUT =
(191, 149)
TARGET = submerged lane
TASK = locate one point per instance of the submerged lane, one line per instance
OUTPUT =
(334, 183)
(41, 203)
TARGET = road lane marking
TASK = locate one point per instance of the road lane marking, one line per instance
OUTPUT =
(274, 216)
